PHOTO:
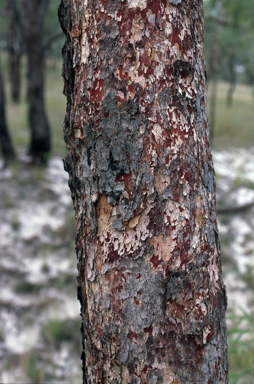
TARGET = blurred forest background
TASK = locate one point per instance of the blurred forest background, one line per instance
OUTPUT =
(39, 313)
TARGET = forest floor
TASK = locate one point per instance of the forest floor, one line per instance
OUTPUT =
(39, 311)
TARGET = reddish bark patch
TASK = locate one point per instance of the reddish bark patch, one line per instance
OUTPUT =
(121, 74)
(175, 35)
(97, 93)
(130, 88)
(129, 187)
(209, 337)
(146, 58)
(136, 301)
(148, 72)
(145, 369)
(75, 30)
(119, 100)
(155, 6)
(113, 256)
(141, 207)
(132, 335)
(149, 330)
(155, 261)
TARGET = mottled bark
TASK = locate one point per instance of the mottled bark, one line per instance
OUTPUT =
(142, 181)
(32, 13)
(5, 139)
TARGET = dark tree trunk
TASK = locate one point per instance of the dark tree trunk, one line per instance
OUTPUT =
(14, 50)
(32, 13)
(232, 86)
(14, 70)
(40, 131)
(5, 140)
(142, 181)
(213, 101)
(213, 75)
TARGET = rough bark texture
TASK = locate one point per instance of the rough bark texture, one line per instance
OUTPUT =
(5, 140)
(32, 13)
(142, 181)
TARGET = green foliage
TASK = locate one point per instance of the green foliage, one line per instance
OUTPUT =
(248, 276)
(15, 222)
(241, 348)
(229, 35)
(26, 287)
(30, 366)
(57, 331)
(234, 126)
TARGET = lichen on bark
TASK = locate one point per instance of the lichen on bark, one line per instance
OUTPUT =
(142, 180)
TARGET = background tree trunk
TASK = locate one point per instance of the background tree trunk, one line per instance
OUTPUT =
(32, 15)
(233, 79)
(213, 76)
(5, 140)
(142, 181)
(14, 50)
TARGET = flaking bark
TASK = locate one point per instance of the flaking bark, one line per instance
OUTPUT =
(142, 181)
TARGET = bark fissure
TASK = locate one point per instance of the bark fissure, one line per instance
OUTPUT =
(142, 181)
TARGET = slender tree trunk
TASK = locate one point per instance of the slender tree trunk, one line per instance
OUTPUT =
(38, 121)
(14, 70)
(32, 15)
(142, 181)
(14, 50)
(233, 79)
(213, 101)
(5, 140)
(214, 73)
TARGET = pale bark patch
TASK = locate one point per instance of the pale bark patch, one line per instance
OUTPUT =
(137, 29)
(137, 3)
(157, 131)
(134, 222)
(161, 180)
(163, 247)
(84, 48)
(125, 375)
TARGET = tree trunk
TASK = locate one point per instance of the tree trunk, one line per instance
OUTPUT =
(213, 102)
(14, 50)
(214, 73)
(40, 132)
(142, 181)
(5, 140)
(233, 78)
(32, 15)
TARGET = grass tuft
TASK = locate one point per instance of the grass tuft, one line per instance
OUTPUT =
(241, 348)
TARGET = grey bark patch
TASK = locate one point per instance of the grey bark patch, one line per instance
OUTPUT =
(115, 149)
(211, 235)
(201, 258)
(165, 99)
(152, 95)
(175, 2)
(198, 110)
(194, 282)
(208, 178)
